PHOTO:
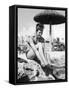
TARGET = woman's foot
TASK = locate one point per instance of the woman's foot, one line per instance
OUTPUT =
(47, 69)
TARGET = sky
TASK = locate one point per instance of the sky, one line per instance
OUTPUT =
(27, 26)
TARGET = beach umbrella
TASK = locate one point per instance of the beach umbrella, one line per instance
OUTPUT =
(50, 17)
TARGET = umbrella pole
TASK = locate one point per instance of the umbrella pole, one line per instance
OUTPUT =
(50, 29)
(50, 36)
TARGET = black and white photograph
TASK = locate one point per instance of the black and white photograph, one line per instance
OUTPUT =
(41, 45)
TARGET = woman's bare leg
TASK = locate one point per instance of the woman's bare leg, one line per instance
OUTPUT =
(42, 54)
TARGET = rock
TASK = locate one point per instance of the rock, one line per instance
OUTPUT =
(33, 70)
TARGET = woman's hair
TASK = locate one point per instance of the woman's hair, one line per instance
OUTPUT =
(39, 26)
